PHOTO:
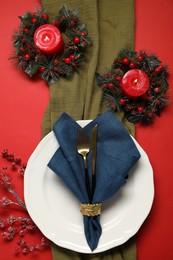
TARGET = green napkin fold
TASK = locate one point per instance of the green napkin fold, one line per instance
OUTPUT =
(110, 24)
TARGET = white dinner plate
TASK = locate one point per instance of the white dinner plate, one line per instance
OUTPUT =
(55, 210)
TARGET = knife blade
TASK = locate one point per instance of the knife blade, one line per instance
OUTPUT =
(93, 147)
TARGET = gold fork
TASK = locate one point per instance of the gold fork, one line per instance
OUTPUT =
(83, 149)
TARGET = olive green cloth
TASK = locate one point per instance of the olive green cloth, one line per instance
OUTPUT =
(110, 24)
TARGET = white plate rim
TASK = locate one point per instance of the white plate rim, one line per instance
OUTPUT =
(72, 245)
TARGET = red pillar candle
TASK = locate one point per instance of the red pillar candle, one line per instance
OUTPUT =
(48, 39)
(135, 83)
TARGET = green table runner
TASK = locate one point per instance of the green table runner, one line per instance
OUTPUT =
(110, 24)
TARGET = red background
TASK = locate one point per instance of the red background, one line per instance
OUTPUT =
(22, 106)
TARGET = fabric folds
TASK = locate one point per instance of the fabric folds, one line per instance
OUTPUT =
(111, 26)
(116, 155)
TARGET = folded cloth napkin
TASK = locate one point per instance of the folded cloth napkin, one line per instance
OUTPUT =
(116, 155)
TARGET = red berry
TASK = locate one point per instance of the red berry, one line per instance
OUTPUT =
(67, 60)
(5, 153)
(26, 30)
(24, 165)
(45, 16)
(4, 168)
(27, 56)
(24, 40)
(103, 85)
(55, 69)
(16, 251)
(63, 17)
(84, 43)
(140, 58)
(157, 90)
(72, 23)
(150, 98)
(150, 114)
(83, 34)
(13, 165)
(122, 101)
(22, 49)
(76, 40)
(153, 109)
(21, 233)
(33, 20)
(72, 56)
(10, 157)
(110, 85)
(57, 23)
(30, 227)
(132, 65)
(113, 107)
(125, 60)
(118, 78)
(158, 69)
(25, 250)
(106, 75)
(140, 109)
(17, 160)
(56, 61)
(158, 102)
(42, 69)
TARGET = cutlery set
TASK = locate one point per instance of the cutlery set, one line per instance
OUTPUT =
(83, 148)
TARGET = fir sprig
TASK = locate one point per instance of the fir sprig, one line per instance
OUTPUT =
(142, 109)
(51, 67)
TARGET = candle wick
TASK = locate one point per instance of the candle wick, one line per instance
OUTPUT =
(134, 82)
(46, 39)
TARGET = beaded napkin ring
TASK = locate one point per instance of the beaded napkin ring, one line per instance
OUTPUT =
(91, 210)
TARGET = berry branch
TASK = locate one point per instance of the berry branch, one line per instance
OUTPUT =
(13, 226)
(6, 182)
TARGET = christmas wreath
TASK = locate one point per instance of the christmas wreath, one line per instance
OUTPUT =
(135, 84)
(51, 58)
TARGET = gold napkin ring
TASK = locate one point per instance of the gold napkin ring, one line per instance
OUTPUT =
(91, 210)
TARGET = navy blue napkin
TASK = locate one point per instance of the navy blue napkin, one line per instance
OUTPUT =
(116, 155)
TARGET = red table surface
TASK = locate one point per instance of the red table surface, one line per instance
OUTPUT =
(22, 106)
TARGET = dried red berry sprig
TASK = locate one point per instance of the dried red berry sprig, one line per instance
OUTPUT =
(145, 108)
(7, 184)
(17, 227)
(15, 161)
(51, 67)
(26, 248)
(13, 226)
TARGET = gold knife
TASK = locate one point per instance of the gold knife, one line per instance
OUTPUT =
(93, 147)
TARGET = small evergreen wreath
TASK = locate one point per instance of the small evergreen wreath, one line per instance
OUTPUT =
(51, 66)
(144, 106)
